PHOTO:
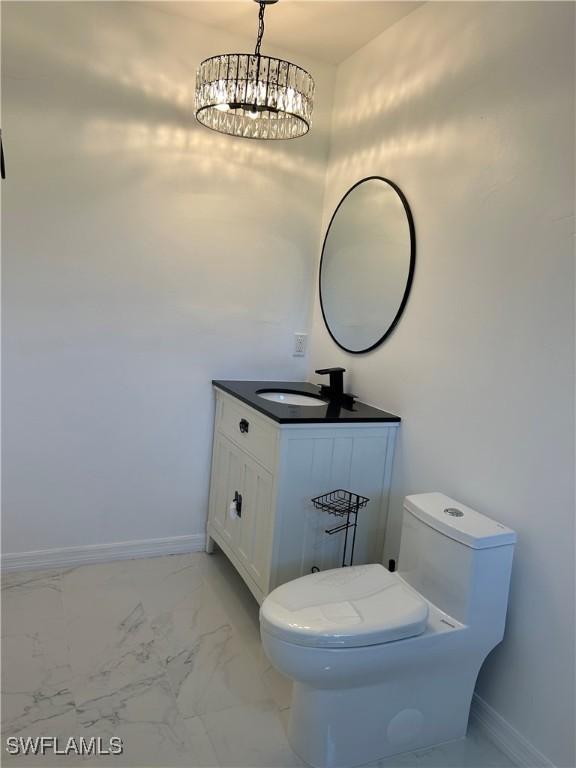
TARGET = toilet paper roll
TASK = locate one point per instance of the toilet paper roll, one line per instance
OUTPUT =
(232, 512)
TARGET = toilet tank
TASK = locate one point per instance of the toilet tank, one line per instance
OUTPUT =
(457, 559)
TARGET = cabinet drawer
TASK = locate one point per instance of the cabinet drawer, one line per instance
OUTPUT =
(247, 429)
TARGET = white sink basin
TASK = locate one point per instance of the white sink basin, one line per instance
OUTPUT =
(290, 398)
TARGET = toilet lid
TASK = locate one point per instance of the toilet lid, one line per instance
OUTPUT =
(344, 607)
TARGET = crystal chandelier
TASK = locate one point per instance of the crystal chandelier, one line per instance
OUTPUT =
(254, 96)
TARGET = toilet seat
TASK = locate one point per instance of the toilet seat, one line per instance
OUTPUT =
(345, 607)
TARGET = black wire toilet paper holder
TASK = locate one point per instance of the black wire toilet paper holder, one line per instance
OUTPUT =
(346, 504)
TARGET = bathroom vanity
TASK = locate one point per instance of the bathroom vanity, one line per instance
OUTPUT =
(271, 456)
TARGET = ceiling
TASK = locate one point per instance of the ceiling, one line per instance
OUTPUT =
(326, 30)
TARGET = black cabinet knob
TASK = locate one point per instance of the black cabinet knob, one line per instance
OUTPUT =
(244, 425)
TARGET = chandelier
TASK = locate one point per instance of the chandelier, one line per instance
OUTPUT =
(254, 96)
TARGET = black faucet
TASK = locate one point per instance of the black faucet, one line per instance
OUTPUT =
(335, 391)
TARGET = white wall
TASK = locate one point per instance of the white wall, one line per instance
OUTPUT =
(143, 256)
(469, 107)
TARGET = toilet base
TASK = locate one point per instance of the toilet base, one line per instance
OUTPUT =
(341, 728)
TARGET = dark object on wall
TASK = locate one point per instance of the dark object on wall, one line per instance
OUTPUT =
(367, 264)
(343, 504)
(2, 166)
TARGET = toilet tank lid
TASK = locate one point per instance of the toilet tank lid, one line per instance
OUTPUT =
(458, 521)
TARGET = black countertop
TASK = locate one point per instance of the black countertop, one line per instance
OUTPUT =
(325, 413)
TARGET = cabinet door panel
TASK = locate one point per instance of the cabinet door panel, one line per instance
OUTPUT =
(227, 479)
(255, 532)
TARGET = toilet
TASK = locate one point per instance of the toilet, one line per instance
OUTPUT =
(383, 662)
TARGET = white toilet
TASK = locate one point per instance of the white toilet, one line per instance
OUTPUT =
(385, 662)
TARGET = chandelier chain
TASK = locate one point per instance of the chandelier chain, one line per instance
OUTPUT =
(260, 28)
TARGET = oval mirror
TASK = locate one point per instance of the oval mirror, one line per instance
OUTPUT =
(367, 264)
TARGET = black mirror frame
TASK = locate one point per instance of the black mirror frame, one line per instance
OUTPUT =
(404, 301)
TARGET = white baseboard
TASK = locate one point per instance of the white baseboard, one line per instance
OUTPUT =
(101, 553)
(499, 731)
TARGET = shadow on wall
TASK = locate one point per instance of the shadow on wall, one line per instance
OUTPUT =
(143, 256)
(126, 103)
(438, 69)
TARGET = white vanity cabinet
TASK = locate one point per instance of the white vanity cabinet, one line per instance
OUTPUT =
(275, 469)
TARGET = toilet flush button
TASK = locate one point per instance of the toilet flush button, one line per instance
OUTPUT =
(453, 512)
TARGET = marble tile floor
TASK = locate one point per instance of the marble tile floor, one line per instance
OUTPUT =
(164, 653)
